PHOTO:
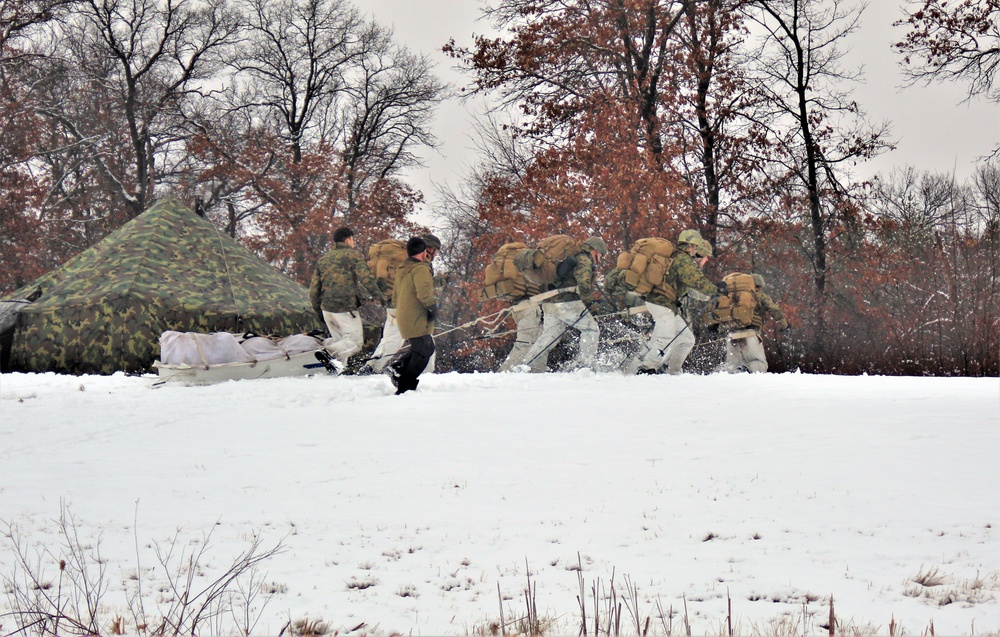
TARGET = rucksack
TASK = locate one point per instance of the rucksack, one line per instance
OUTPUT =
(646, 265)
(502, 279)
(541, 265)
(383, 259)
(736, 308)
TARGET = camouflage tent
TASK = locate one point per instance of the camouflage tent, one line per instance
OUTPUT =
(168, 269)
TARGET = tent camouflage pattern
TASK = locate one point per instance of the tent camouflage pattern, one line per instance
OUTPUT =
(167, 269)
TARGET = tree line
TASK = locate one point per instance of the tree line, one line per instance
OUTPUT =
(278, 118)
(626, 118)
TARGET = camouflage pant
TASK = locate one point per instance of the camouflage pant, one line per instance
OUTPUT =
(529, 328)
(746, 353)
(346, 334)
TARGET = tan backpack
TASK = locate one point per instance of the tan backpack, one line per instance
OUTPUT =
(736, 308)
(540, 265)
(646, 265)
(502, 279)
(383, 259)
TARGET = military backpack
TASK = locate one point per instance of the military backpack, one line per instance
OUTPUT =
(736, 308)
(503, 280)
(645, 266)
(383, 259)
(549, 261)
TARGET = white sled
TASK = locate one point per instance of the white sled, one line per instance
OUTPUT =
(304, 364)
(202, 359)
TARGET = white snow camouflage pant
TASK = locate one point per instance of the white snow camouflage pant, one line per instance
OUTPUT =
(745, 353)
(668, 328)
(557, 318)
(529, 328)
(346, 334)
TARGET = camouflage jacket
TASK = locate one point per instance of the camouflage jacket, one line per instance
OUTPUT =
(342, 281)
(413, 296)
(617, 291)
(765, 307)
(581, 275)
(685, 277)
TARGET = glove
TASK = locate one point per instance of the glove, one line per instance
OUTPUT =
(432, 312)
(723, 287)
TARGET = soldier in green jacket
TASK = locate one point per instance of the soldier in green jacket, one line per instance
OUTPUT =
(416, 308)
(672, 338)
(573, 309)
(340, 284)
(746, 353)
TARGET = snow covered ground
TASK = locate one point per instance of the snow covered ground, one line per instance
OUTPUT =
(417, 514)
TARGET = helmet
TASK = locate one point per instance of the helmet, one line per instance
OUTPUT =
(596, 244)
(689, 236)
(758, 280)
(703, 248)
(432, 242)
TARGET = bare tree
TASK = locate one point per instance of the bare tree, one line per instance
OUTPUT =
(919, 202)
(20, 16)
(131, 69)
(318, 74)
(393, 101)
(953, 40)
(715, 114)
(817, 127)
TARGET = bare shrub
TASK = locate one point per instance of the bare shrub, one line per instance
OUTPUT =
(62, 590)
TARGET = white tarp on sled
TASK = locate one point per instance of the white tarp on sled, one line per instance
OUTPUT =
(198, 359)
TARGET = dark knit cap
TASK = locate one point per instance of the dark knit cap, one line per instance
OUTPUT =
(415, 246)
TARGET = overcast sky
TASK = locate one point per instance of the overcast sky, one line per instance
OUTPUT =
(934, 127)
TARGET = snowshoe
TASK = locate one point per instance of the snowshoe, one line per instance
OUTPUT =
(329, 362)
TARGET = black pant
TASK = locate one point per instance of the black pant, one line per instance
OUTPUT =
(413, 362)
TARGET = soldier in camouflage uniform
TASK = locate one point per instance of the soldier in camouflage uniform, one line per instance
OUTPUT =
(573, 309)
(672, 339)
(747, 353)
(528, 322)
(693, 305)
(341, 282)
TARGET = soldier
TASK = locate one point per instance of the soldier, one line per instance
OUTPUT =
(340, 283)
(672, 339)
(416, 308)
(747, 353)
(528, 322)
(573, 309)
(709, 352)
